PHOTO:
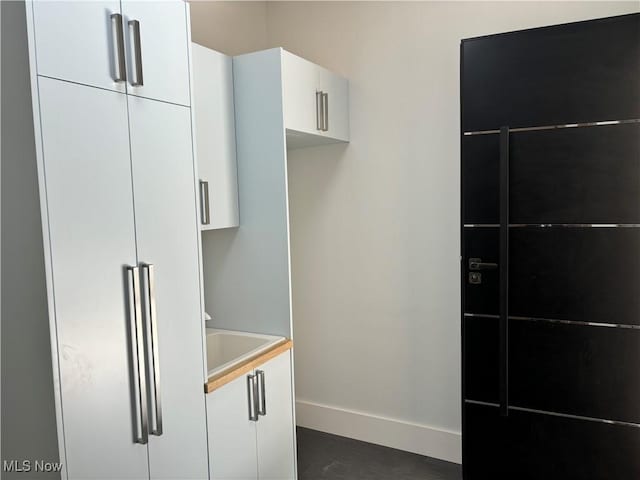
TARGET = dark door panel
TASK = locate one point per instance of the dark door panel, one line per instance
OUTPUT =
(570, 175)
(580, 274)
(481, 359)
(480, 163)
(576, 175)
(575, 369)
(534, 446)
(568, 357)
(481, 243)
(484, 438)
(545, 447)
(573, 73)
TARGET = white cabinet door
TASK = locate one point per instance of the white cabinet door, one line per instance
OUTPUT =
(77, 41)
(215, 137)
(300, 82)
(336, 104)
(158, 49)
(275, 432)
(167, 237)
(232, 436)
(85, 144)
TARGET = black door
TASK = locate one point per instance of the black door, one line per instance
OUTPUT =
(550, 169)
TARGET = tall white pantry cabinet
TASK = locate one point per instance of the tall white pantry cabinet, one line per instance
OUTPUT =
(113, 124)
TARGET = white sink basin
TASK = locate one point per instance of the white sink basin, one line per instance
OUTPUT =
(227, 348)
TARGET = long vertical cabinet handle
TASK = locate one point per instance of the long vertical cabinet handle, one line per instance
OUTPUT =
(319, 111)
(204, 203)
(325, 111)
(137, 53)
(504, 271)
(252, 390)
(137, 357)
(118, 37)
(262, 399)
(152, 350)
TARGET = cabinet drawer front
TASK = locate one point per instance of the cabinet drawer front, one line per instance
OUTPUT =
(559, 71)
(571, 175)
(75, 41)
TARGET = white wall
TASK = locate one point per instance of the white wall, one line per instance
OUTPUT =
(229, 27)
(375, 224)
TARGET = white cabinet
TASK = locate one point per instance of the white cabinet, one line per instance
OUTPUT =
(316, 101)
(301, 95)
(232, 434)
(135, 46)
(121, 240)
(215, 137)
(91, 232)
(250, 424)
(157, 40)
(167, 238)
(77, 41)
(335, 91)
(276, 440)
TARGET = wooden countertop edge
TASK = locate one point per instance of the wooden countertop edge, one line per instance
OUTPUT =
(223, 378)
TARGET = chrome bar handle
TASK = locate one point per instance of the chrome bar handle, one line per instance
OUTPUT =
(320, 110)
(252, 389)
(137, 356)
(319, 115)
(204, 202)
(137, 53)
(152, 350)
(118, 38)
(262, 399)
(325, 111)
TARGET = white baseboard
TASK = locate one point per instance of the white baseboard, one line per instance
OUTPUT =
(412, 437)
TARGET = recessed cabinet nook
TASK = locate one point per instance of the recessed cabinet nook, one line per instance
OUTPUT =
(162, 169)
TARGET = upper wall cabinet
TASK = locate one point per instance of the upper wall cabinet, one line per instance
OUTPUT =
(316, 102)
(120, 46)
(78, 41)
(215, 136)
(155, 38)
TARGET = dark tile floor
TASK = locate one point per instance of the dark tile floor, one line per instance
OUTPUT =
(324, 456)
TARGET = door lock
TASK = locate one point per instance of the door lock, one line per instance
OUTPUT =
(475, 278)
(475, 264)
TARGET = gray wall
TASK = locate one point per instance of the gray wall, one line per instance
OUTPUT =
(28, 413)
